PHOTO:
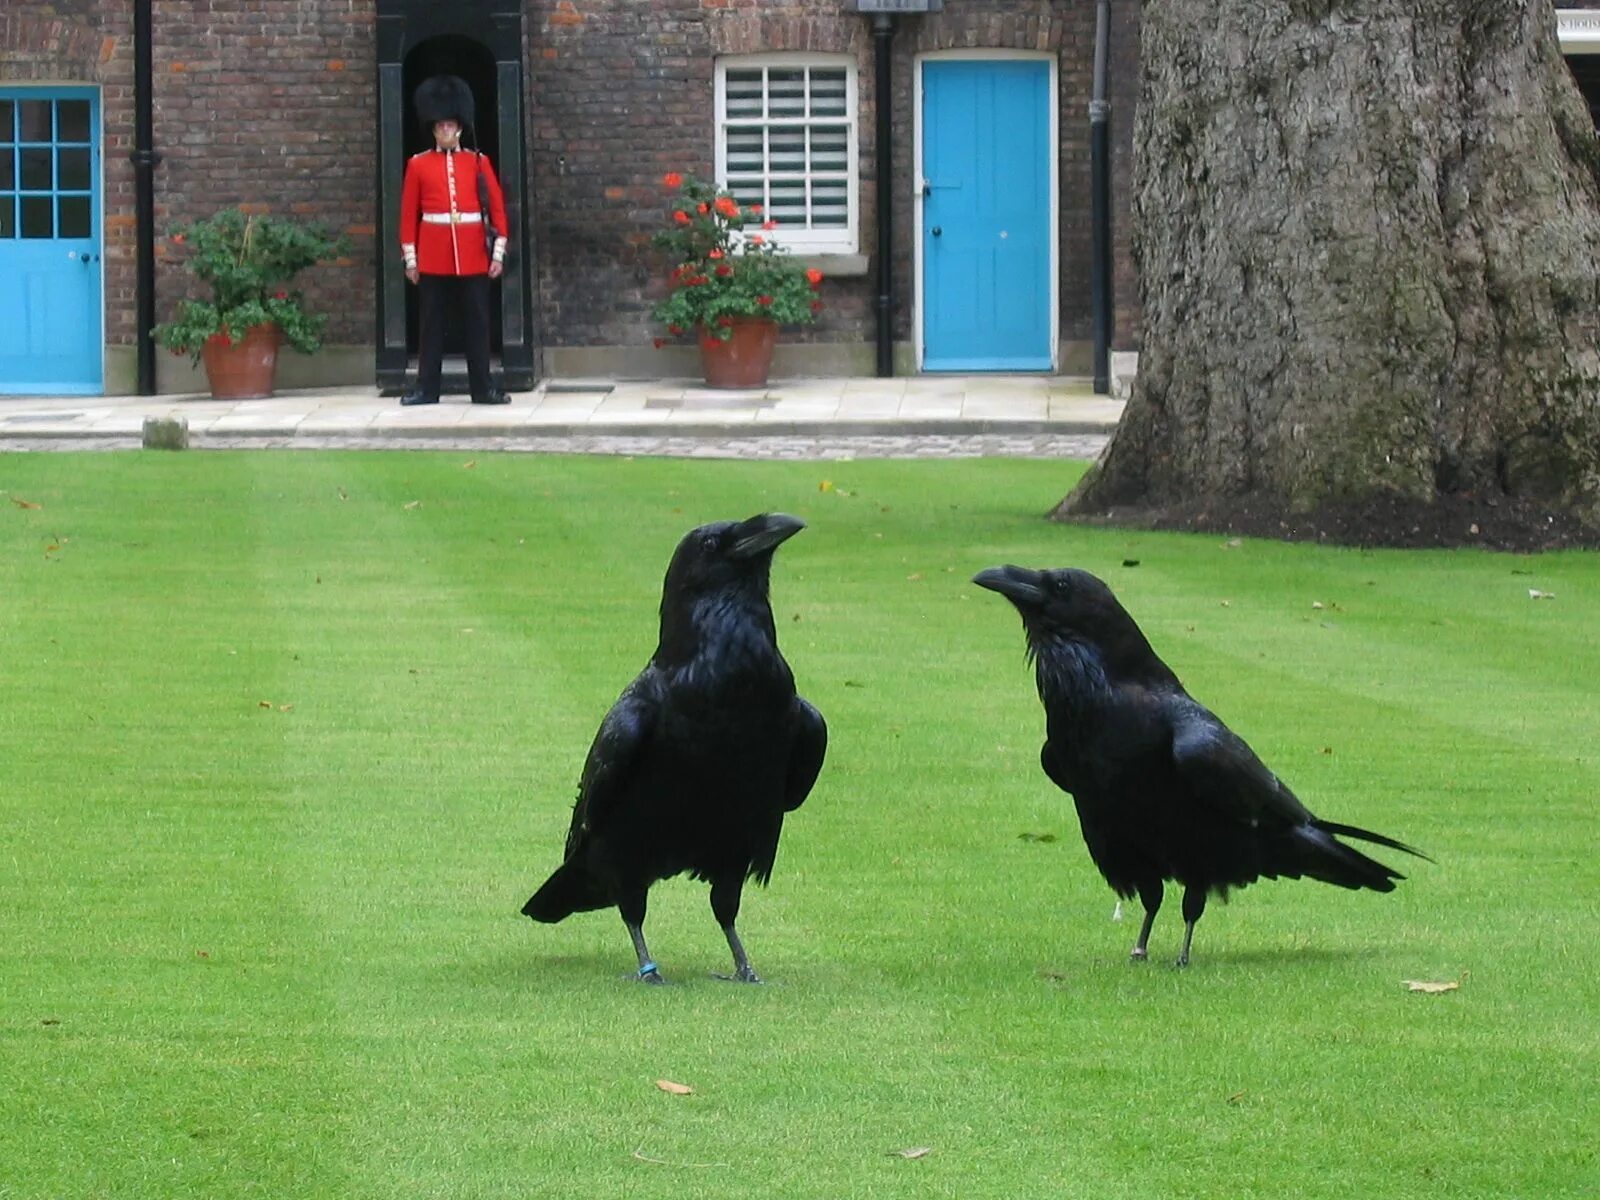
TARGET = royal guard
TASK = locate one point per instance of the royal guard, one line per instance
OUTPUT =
(453, 239)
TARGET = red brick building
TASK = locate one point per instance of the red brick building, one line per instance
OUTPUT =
(302, 107)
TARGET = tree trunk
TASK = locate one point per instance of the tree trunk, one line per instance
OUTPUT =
(1366, 236)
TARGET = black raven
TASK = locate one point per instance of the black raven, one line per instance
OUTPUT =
(703, 753)
(1164, 790)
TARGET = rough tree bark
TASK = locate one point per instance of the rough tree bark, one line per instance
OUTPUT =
(1366, 234)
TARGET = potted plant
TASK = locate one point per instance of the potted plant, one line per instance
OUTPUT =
(247, 261)
(729, 288)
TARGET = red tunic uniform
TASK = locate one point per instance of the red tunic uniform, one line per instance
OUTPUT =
(441, 217)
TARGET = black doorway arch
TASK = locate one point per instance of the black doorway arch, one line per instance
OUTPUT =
(482, 43)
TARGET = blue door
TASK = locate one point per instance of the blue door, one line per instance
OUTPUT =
(986, 273)
(50, 339)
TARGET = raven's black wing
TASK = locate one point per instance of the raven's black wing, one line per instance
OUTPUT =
(1220, 770)
(614, 755)
(807, 747)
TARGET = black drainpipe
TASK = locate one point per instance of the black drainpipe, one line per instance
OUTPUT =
(144, 159)
(1100, 299)
(882, 39)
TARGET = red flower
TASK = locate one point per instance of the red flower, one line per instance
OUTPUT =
(725, 321)
(672, 180)
(710, 342)
(715, 254)
(280, 295)
(724, 270)
(756, 208)
(813, 276)
(769, 224)
(727, 207)
(674, 330)
(178, 237)
(764, 301)
(681, 217)
(816, 306)
(703, 208)
(677, 274)
(755, 239)
(659, 342)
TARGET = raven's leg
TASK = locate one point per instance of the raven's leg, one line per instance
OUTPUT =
(1150, 896)
(632, 908)
(1194, 903)
(725, 894)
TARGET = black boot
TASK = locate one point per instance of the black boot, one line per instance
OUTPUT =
(413, 398)
(493, 396)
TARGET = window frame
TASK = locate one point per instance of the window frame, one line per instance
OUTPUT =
(833, 240)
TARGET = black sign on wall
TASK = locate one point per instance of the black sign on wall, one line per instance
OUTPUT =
(481, 41)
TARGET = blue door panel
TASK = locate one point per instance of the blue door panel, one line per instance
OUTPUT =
(986, 212)
(50, 241)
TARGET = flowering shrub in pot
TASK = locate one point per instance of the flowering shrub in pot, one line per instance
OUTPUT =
(248, 262)
(725, 280)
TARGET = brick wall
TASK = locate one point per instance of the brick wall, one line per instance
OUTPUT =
(271, 103)
(622, 92)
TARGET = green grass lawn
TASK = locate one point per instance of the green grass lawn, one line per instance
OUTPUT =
(287, 738)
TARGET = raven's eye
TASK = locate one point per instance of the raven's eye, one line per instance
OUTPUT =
(708, 542)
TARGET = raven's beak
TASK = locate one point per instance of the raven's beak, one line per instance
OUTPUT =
(1020, 585)
(764, 532)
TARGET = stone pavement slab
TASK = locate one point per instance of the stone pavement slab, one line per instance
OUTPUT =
(919, 416)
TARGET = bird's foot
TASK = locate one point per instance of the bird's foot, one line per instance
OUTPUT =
(650, 973)
(1138, 954)
(745, 974)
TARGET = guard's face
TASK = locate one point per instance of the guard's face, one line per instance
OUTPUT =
(446, 133)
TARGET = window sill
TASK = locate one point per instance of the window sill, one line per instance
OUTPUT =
(838, 266)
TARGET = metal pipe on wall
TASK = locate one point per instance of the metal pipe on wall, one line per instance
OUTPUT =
(882, 44)
(145, 160)
(1100, 294)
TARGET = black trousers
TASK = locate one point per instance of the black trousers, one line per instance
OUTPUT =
(437, 297)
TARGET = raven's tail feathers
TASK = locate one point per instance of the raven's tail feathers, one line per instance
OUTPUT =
(570, 890)
(1366, 835)
(1324, 857)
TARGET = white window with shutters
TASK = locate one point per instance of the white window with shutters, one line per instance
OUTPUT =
(786, 140)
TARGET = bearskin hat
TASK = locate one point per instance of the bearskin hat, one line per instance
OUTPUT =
(444, 98)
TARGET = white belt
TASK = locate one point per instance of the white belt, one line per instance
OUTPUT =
(452, 218)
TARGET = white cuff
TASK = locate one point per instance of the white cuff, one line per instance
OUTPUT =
(500, 250)
(409, 253)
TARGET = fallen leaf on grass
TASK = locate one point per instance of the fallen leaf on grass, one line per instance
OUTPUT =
(343, 495)
(263, 703)
(1430, 986)
(825, 486)
(914, 577)
(25, 503)
(410, 504)
(912, 1152)
(467, 466)
(1536, 594)
(285, 708)
(676, 1089)
(1235, 1098)
(1036, 837)
(50, 1021)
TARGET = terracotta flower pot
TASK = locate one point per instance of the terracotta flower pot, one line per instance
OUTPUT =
(743, 360)
(243, 368)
